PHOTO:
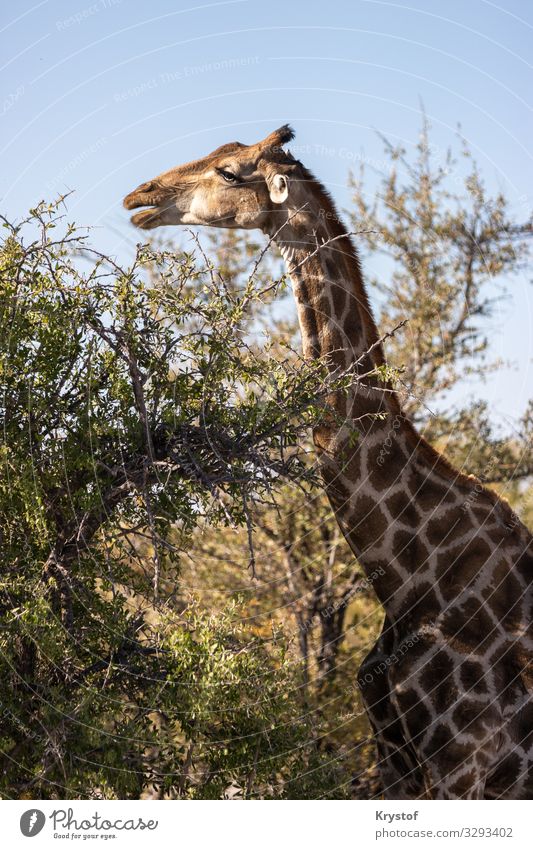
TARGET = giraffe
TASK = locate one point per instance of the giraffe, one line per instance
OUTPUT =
(448, 687)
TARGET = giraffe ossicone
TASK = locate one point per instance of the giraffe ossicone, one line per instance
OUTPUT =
(449, 686)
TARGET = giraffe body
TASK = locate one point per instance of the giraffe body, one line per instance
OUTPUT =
(448, 687)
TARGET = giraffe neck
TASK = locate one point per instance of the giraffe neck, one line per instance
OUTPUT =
(336, 324)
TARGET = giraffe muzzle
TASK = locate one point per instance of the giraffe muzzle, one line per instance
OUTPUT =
(151, 196)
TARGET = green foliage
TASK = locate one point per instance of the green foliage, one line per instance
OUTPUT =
(132, 404)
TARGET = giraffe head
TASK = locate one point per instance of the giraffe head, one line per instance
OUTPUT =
(236, 186)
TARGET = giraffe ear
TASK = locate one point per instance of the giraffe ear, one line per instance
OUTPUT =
(278, 188)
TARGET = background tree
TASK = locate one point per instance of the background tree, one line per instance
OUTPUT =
(453, 250)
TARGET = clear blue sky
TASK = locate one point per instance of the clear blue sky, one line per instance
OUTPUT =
(101, 96)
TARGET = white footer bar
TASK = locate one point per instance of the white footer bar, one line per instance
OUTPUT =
(267, 825)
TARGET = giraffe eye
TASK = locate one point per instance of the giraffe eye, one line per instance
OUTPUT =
(227, 175)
